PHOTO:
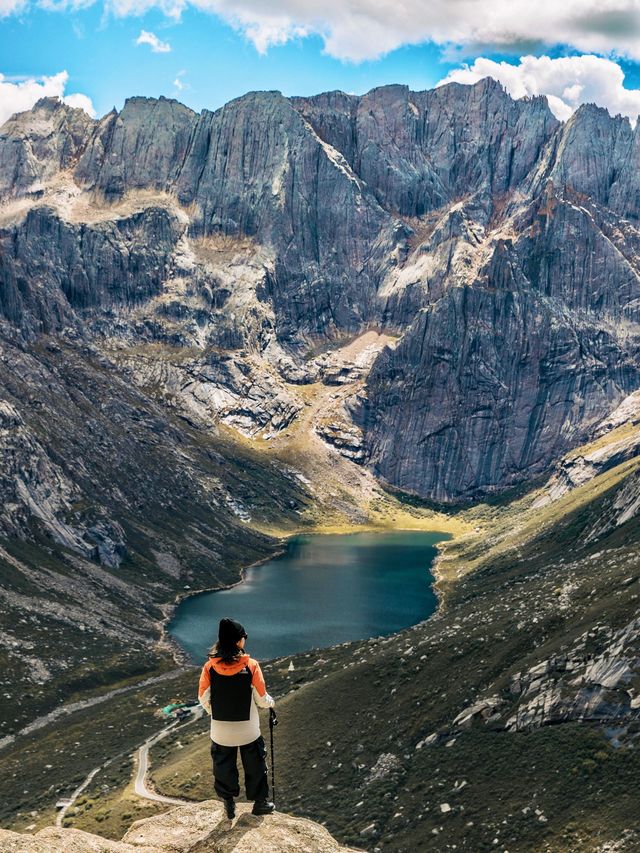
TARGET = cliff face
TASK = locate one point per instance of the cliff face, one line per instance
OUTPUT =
(487, 384)
(54, 271)
(498, 245)
(419, 151)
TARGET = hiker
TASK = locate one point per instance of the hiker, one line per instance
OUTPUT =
(232, 689)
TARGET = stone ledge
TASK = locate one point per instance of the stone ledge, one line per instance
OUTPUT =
(198, 828)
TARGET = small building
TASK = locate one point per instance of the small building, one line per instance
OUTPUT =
(177, 710)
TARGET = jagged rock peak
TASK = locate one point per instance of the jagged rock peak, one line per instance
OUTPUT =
(260, 95)
(49, 108)
(38, 143)
(165, 105)
(593, 111)
(50, 103)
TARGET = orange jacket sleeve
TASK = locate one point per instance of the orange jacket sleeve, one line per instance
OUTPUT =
(263, 700)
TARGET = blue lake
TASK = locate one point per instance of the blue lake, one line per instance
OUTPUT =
(321, 591)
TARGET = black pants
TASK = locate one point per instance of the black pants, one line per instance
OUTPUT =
(225, 770)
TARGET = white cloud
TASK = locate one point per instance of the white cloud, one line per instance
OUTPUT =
(567, 82)
(80, 102)
(65, 5)
(364, 29)
(8, 7)
(153, 41)
(122, 8)
(179, 83)
(19, 95)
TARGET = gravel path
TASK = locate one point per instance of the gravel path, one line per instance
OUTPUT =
(72, 707)
(140, 785)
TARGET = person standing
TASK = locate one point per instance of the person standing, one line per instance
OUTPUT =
(231, 690)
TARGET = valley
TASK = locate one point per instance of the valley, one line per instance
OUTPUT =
(539, 644)
(401, 311)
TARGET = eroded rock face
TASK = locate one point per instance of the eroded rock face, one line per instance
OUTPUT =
(624, 507)
(616, 440)
(191, 828)
(36, 144)
(485, 385)
(594, 681)
(53, 271)
(31, 484)
(142, 146)
(255, 168)
(421, 150)
(499, 246)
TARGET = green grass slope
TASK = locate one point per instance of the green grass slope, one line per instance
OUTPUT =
(368, 743)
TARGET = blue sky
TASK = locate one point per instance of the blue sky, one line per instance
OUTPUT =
(217, 62)
(208, 53)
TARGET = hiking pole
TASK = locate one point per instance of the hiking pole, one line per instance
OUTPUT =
(273, 722)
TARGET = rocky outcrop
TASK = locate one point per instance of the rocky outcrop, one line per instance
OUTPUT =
(30, 483)
(189, 829)
(593, 673)
(53, 271)
(624, 507)
(220, 389)
(33, 486)
(594, 682)
(37, 144)
(576, 470)
(617, 440)
(345, 437)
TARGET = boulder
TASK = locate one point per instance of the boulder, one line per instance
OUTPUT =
(196, 828)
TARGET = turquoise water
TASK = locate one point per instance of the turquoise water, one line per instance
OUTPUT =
(323, 590)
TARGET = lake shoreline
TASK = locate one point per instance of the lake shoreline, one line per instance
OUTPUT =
(167, 641)
(185, 657)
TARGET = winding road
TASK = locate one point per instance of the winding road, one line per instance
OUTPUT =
(140, 784)
(77, 792)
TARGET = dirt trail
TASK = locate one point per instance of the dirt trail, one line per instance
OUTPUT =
(140, 782)
(300, 444)
(72, 707)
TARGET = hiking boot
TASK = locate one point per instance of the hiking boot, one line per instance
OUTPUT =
(230, 807)
(263, 807)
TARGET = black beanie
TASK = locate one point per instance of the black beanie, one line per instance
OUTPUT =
(230, 631)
